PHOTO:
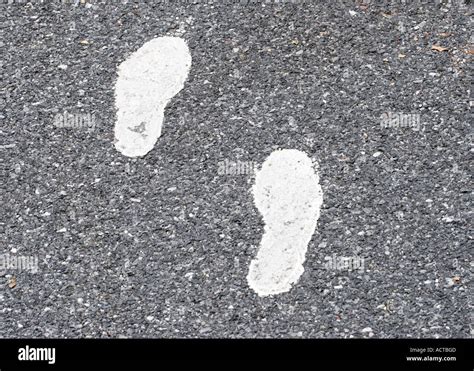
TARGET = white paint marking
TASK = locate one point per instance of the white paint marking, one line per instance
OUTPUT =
(288, 195)
(146, 82)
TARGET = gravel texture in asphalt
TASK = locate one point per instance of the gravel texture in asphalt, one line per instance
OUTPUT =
(160, 246)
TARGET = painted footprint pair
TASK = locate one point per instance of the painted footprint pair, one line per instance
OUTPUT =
(286, 190)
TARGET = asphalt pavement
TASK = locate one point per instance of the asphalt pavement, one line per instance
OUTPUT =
(378, 95)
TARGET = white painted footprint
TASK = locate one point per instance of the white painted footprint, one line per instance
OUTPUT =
(288, 195)
(146, 82)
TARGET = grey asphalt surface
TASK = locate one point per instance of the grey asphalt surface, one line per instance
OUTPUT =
(160, 246)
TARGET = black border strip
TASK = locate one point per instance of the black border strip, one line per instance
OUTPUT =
(381, 352)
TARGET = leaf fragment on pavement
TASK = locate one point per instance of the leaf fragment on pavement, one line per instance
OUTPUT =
(12, 282)
(439, 48)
